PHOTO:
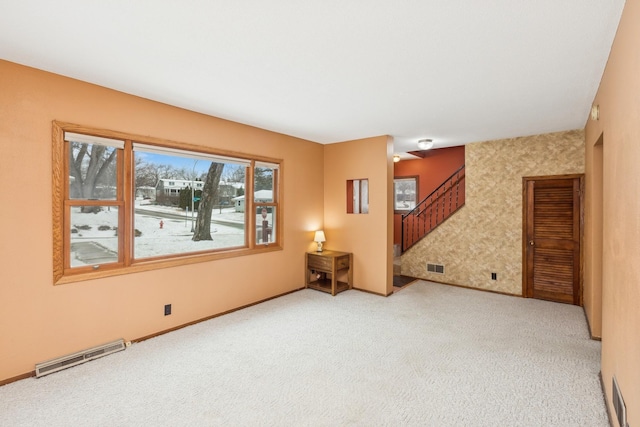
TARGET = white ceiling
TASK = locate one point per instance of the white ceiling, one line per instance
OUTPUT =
(335, 70)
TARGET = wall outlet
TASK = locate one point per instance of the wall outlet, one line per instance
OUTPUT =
(494, 276)
(167, 309)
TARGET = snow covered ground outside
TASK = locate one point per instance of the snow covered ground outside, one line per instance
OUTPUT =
(173, 238)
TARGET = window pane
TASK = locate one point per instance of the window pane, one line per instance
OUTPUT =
(356, 196)
(164, 231)
(263, 185)
(169, 192)
(161, 178)
(405, 190)
(94, 235)
(364, 196)
(265, 224)
(92, 171)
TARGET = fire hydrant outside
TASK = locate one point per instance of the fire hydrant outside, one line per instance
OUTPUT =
(161, 224)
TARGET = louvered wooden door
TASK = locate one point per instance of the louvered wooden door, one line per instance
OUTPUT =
(553, 216)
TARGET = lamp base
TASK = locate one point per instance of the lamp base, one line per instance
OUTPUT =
(319, 247)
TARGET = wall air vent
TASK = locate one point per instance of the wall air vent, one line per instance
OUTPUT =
(618, 404)
(435, 268)
(74, 359)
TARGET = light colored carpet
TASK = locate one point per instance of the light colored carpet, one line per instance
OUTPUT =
(430, 355)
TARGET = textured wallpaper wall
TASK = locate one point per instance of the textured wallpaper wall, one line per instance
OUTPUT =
(485, 236)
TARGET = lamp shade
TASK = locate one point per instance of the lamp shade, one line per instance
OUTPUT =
(319, 237)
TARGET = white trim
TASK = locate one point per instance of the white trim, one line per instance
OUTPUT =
(267, 165)
(215, 158)
(91, 139)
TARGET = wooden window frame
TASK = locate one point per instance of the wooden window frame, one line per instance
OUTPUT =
(63, 273)
(416, 180)
(266, 205)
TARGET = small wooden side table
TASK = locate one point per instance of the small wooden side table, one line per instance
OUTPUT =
(321, 271)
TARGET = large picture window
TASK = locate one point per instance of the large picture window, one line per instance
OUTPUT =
(124, 203)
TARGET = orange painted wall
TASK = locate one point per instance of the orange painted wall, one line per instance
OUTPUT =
(39, 321)
(367, 236)
(612, 285)
(433, 169)
(592, 288)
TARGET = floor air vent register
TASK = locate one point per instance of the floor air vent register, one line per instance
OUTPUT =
(435, 268)
(618, 404)
(64, 362)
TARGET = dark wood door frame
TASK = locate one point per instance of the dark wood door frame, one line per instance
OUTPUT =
(527, 197)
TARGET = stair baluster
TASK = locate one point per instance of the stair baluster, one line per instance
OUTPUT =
(416, 225)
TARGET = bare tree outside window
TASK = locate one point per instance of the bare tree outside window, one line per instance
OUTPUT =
(209, 196)
(92, 173)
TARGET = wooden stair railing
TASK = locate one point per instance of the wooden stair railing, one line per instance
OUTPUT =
(434, 209)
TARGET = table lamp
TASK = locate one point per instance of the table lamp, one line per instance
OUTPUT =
(319, 238)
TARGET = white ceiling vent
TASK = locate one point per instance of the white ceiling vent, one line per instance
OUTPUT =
(74, 359)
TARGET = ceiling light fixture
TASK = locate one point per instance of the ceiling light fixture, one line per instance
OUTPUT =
(425, 144)
(396, 158)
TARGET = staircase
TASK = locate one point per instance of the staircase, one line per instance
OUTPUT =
(433, 210)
